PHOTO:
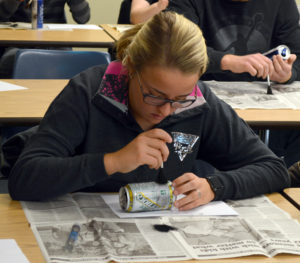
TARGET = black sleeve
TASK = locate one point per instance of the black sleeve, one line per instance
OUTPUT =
(287, 31)
(8, 8)
(245, 165)
(50, 164)
(80, 10)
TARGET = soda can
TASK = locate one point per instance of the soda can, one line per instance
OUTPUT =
(281, 50)
(146, 196)
(37, 14)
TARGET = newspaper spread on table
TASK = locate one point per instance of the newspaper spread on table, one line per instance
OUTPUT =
(253, 95)
(260, 229)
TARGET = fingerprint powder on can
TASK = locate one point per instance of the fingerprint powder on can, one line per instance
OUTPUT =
(146, 197)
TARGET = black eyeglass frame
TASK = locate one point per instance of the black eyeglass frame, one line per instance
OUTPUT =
(177, 104)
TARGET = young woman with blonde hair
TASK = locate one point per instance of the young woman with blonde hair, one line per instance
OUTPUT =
(118, 124)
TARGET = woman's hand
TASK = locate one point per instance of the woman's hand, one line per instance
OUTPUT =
(148, 148)
(197, 191)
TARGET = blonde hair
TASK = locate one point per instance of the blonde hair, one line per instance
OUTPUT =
(168, 40)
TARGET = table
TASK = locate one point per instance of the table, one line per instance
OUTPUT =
(27, 107)
(55, 38)
(293, 195)
(267, 119)
(112, 31)
(13, 224)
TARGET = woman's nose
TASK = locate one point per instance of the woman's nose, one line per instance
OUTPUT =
(166, 109)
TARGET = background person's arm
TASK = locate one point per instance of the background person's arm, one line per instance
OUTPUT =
(287, 32)
(141, 10)
(257, 65)
(80, 10)
(8, 8)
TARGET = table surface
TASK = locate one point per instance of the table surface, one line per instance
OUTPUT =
(14, 225)
(271, 118)
(113, 32)
(28, 106)
(55, 38)
(294, 195)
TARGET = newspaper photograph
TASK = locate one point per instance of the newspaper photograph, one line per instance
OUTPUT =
(253, 95)
(261, 228)
(103, 240)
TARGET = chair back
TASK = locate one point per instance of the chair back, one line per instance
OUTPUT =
(55, 64)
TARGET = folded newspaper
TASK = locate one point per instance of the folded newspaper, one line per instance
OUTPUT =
(260, 229)
(253, 95)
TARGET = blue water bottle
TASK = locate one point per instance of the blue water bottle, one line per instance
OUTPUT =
(37, 14)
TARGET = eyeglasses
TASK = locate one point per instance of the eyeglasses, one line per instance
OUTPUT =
(158, 101)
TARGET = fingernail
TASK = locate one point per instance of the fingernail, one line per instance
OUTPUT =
(175, 192)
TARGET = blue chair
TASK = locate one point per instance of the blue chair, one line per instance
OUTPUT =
(55, 64)
(51, 64)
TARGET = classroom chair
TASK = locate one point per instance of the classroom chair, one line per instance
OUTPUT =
(55, 64)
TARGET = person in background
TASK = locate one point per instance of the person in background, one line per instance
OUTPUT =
(237, 33)
(142, 10)
(20, 11)
(117, 124)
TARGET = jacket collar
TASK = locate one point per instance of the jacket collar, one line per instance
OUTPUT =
(114, 90)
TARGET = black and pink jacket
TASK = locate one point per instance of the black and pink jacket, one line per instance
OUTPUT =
(90, 117)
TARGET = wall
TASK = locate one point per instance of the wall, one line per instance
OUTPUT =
(105, 11)
(102, 11)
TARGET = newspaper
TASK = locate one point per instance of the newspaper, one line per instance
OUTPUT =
(246, 95)
(260, 229)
